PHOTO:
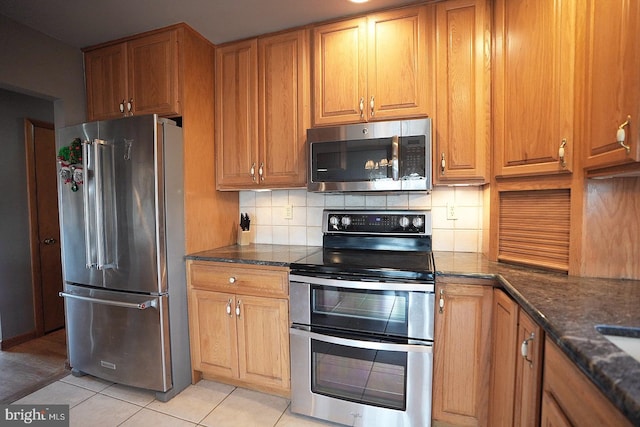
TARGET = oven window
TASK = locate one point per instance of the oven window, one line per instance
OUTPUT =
(383, 312)
(371, 377)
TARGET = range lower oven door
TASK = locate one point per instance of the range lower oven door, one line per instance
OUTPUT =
(360, 381)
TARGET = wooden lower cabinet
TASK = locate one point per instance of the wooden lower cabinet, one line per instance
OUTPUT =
(570, 398)
(240, 337)
(515, 380)
(462, 354)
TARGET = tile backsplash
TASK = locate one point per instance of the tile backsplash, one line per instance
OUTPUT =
(267, 210)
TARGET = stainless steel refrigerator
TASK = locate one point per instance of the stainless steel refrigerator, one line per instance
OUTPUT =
(121, 205)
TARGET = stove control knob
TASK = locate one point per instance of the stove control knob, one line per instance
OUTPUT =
(404, 222)
(346, 221)
(334, 221)
(418, 222)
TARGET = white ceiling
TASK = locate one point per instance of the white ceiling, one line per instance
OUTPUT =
(82, 23)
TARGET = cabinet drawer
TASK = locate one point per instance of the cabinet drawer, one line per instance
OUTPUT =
(238, 278)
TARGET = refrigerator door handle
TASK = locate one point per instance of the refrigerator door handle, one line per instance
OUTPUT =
(100, 193)
(89, 261)
(139, 306)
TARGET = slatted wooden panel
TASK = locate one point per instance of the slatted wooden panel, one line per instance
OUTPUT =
(534, 228)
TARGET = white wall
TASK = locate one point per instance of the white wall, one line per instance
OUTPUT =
(37, 65)
(44, 79)
(267, 211)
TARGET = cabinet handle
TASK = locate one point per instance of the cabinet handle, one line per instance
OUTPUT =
(229, 307)
(621, 135)
(261, 171)
(372, 105)
(238, 308)
(441, 301)
(443, 164)
(362, 107)
(232, 280)
(524, 349)
(130, 107)
(122, 107)
(561, 152)
(252, 171)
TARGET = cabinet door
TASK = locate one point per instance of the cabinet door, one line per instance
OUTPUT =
(570, 398)
(212, 328)
(397, 64)
(534, 86)
(236, 113)
(552, 415)
(263, 340)
(106, 78)
(462, 91)
(153, 74)
(612, 85)
(283, 119)
(462, 354)
(339, 72)
(503, 360)
(528, 372)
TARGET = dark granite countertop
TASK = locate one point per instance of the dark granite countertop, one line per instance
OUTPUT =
(257, 254)
(567, 307)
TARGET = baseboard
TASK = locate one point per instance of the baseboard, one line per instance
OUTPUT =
(7, 343)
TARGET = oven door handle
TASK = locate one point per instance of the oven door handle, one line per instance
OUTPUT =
(360, 284)
(384, 346)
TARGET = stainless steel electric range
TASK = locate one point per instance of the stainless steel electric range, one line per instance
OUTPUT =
(362, 320)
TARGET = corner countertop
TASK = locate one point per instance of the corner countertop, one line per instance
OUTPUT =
(567, 307)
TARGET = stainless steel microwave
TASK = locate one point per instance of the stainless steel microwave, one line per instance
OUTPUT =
(379, 156)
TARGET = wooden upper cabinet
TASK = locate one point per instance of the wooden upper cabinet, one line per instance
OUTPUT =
(236, 110)
(262, 112)
(283, 112)
(153, 74)
(106, 79)
(533, 80)
(137, 76)
(612, 86)
(339, 72)
(372, 68)
(463, 86)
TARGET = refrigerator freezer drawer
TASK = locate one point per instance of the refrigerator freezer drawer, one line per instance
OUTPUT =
(119, 337)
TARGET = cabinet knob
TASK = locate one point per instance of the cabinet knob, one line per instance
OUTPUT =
(372, 104)
(362, 107)
(621, 135)
(232, 280)
(261, 171)
(130, 106)
(238, 308)
(443, 164)
(229, 307)
(441, 301)
(122, 106)
(252, 171)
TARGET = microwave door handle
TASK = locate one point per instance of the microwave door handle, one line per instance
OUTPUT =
(395, 167)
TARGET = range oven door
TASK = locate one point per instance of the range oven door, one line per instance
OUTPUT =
(359, 382)
(386, 308)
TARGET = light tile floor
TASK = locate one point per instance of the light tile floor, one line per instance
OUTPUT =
(95, 402)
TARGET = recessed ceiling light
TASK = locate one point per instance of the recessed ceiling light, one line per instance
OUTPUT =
(358, 1)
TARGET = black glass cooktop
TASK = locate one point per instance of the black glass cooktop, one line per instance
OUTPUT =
(373, 264)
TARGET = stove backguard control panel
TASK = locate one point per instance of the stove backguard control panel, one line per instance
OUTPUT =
(409, 222)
